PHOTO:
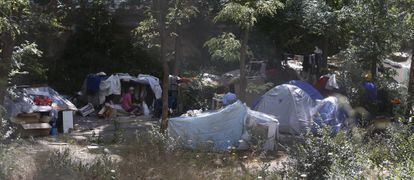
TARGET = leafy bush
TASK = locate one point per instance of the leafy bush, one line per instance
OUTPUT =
(321, 156)
(353, 154)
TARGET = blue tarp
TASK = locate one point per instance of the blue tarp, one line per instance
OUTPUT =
(331, 113)
(312, 92)
(222, 129)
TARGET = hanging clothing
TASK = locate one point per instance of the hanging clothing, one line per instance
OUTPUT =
(93, 82)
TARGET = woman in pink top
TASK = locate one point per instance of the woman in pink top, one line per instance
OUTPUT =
(126, 102)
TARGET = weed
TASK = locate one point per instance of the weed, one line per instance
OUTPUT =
(62, 162)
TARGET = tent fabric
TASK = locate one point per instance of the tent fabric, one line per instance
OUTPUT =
(153, 82)
(291, 106)
(112, 85)
(312, 92)
(92, 83)
(330, 112)
(23, 103)
(224, 128)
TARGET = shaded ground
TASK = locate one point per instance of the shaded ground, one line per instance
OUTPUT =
(93, 137)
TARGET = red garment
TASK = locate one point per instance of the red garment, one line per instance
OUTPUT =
(42, 101)
(321, 83)
(127, 101)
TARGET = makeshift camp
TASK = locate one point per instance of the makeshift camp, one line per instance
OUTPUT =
(98, 87)
(291, 106)
(31, 107)
(308, 88)
(229, 127)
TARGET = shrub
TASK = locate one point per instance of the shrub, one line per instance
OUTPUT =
(322, 156)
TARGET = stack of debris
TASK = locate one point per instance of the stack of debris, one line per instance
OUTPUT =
(36, 110)
(33, 124)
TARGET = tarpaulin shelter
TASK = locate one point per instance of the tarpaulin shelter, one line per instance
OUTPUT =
(291, 106)
(21, 101)
(112, 85)
(222, 129)
(308, 88)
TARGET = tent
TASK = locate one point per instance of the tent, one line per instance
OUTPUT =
(21, 101)
(222, 129)
(312, 92)
(332, 111)
(291, 106)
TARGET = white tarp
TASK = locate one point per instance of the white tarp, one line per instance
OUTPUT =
(153, 82)
(112, 85)
(402, 69)
(256, 120)
(223, 129)
(291, 106)
(22, 101)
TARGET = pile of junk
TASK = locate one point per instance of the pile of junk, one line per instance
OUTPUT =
(39, 110)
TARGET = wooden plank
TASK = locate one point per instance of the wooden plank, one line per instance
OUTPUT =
(36, 126)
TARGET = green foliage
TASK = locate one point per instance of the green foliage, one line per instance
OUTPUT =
(352, 155)
(241, 15)
(180, 12)
(321, 155)
(26, 65)
(14, 13)
(147, 33)
(225, 47)
(176, 14)
(195, 95)
(245, 14)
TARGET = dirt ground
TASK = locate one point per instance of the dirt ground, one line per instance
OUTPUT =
(90, 138)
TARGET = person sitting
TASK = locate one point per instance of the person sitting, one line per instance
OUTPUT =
(126, 102)
(229, 98)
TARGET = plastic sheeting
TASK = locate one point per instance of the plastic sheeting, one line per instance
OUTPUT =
(112, 85)
(222, 129)
(23, 103)
(330, 112)
(291, 106)
(312, 92)
(153, 82)
(257, 121)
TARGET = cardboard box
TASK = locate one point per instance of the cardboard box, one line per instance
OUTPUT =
(35, 129)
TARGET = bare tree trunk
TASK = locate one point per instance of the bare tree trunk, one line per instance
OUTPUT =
(5, 62)
(165, 67)
(243, 54)
(165, 87)
(411, 82)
